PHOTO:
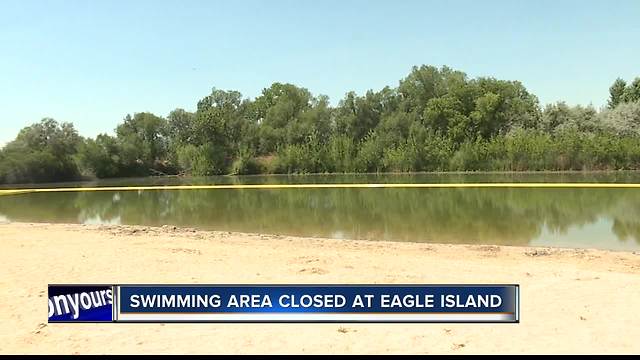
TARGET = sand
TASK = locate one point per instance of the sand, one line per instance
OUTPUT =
(572, 301)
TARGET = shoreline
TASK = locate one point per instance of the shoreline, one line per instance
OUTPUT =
(90, 180)
(572, 300)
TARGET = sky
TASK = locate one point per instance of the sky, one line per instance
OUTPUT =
(92, 62)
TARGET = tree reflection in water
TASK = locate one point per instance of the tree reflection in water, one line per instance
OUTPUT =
(475, 216)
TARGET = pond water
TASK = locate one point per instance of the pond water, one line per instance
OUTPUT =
(580, 217)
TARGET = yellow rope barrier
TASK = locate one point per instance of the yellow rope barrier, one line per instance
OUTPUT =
(319, 186)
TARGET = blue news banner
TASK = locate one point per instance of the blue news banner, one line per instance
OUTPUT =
(284, 303)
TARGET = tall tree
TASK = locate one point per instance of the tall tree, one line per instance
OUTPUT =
(357, 115)
(219, 126)
(616, 93)
(143, 140)
(278, 110)
(428, 82)
(101, 157)
(632, 92)
(41, 152)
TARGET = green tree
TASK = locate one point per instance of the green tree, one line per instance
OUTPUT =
(632, 92)
(356, 115)
(101, 157)
(221, 122)
(487, 118)
(180, 127)
(436, 119)
(616, 93)
(41, 152)
(143, 142)
(445, 116)
(279, 109)
(425, 83)
(623, 120)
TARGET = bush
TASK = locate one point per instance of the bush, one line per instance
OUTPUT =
(470, 156)
(35, 166)
(295, 159)
(246, 164)
(341, 154)
(400, 159)
(369, 158)
(436, 152)
(523, 150)
(201, 160)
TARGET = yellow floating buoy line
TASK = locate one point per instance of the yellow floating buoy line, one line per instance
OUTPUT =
(318, 186)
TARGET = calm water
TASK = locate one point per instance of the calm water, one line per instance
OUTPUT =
(593, 218)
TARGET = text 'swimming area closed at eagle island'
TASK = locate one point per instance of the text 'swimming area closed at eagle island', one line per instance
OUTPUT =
(283, 303)
(314, 301)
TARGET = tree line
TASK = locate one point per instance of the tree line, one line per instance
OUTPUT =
(436, 119)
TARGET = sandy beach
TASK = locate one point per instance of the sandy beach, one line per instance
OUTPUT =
(572, 301)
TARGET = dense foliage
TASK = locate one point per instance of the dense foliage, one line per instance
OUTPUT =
(437, 119)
